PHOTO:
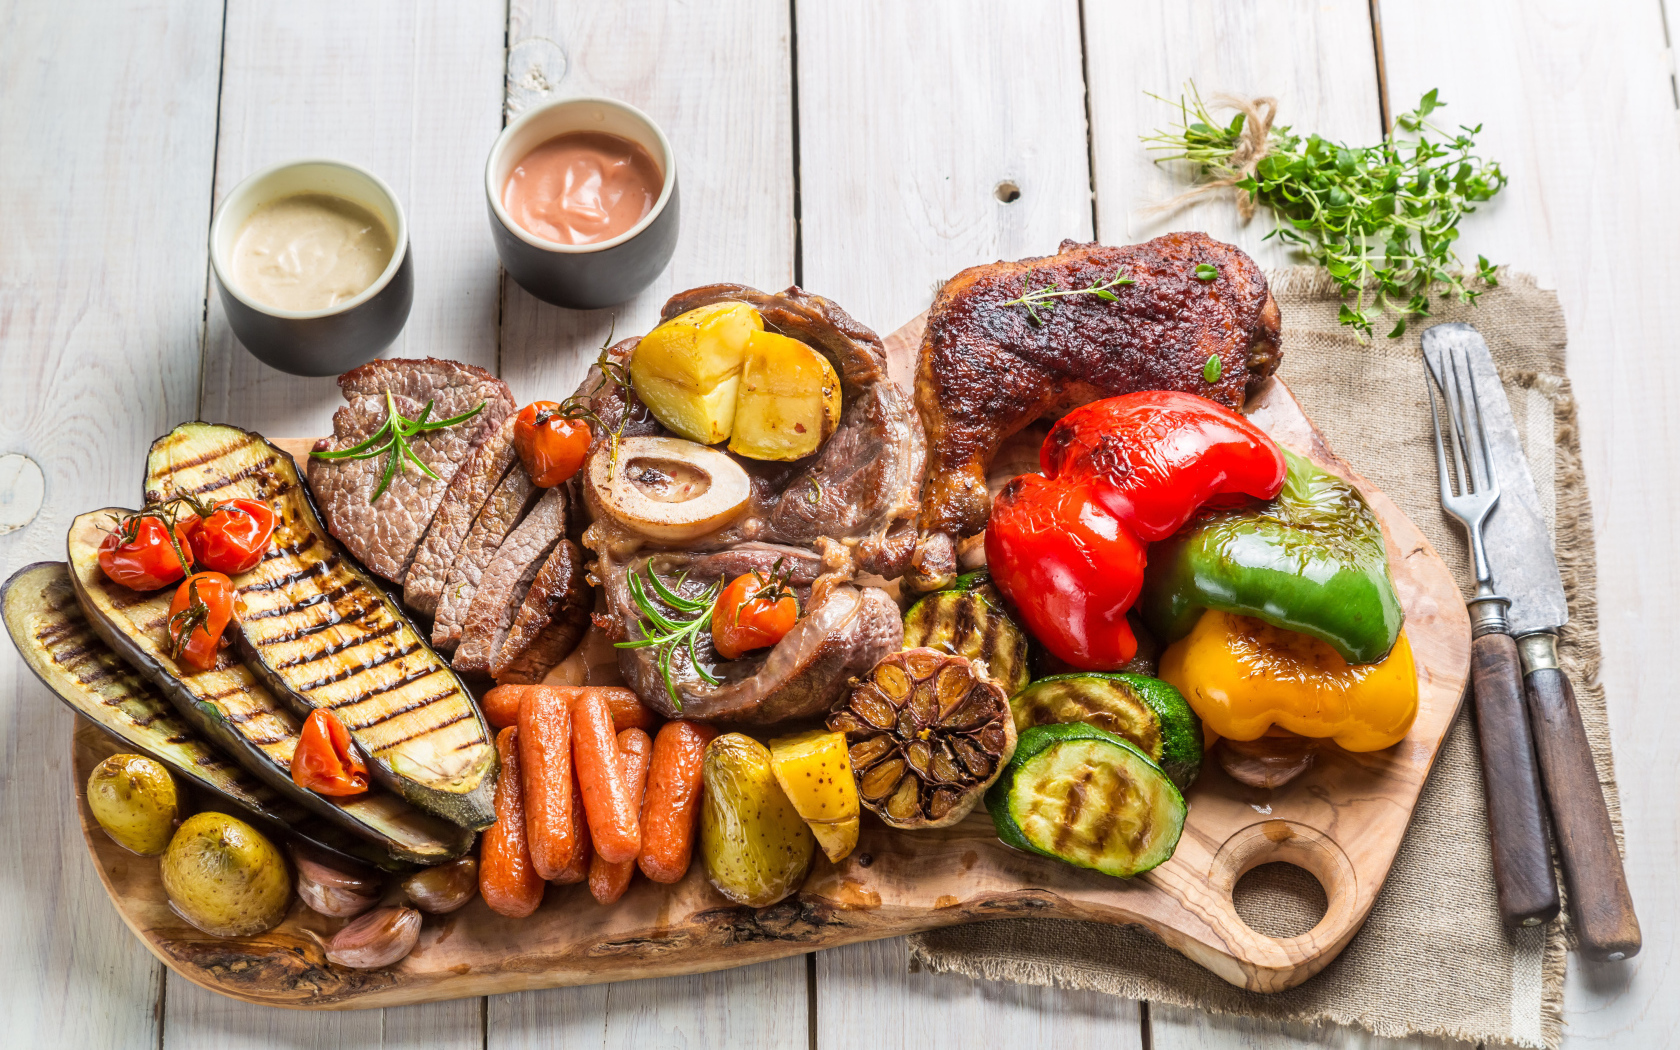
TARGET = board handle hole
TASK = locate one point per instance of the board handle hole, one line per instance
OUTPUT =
(1286, 881)
(1280, 899)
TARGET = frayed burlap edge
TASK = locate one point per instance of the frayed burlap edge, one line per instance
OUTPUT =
(1580, 655)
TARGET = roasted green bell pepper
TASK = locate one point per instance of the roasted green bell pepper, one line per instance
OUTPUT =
(1310, 560)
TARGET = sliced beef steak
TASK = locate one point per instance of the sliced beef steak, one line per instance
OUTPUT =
(550, 622)
(507, 580)
(508, 503)
(462, 501)
(383, 536)
(843, 631)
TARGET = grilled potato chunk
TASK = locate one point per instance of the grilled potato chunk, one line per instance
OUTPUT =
(134, 799)
(224, 877)
(756, 848)
(816, 773)
(688, 370)
(789, 401)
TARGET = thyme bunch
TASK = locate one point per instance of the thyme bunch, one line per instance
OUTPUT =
(1383, 219)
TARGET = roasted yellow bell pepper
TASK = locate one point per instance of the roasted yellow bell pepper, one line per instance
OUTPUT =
(1242, 676)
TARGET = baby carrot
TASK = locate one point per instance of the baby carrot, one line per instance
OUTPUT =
(506, 879)
(545, 760)
(578, 869)
(671, 805)
(501, 704)
(609, 881)
(613, 825)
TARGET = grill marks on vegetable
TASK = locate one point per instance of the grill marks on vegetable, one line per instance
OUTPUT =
(325, 635)
(309, 618)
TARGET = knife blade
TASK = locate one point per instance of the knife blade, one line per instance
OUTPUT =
(1524, 564)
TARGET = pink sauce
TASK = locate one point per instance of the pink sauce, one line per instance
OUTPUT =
(582, 187)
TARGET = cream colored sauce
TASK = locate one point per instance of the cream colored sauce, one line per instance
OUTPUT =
(309, 252)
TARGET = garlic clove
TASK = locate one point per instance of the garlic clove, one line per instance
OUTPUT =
(444, 888)
(377, 939)
(334, 891)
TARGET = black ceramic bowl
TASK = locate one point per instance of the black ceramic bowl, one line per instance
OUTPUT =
(583, 276)
(316, 342)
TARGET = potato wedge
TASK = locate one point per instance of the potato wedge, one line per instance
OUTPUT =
(815, 771)
(755, 846)
(688, 370)
(789, 400)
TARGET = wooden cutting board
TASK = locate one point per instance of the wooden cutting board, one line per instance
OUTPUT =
(1342, 821)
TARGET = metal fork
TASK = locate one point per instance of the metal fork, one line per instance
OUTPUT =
(1477, 488)
(1522, 859)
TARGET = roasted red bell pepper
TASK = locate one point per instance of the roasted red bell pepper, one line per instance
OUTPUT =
(1068, 545)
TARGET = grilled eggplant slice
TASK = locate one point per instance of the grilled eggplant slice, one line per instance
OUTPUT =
(54, 638)
(234, 711)
(320, 632)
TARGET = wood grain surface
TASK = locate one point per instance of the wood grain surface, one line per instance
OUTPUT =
(1342, 821)
(102, 308)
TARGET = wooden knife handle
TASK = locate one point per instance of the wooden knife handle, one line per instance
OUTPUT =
(1522, 863)
(1600, 907)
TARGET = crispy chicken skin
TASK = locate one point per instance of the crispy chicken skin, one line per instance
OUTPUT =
(986, 370)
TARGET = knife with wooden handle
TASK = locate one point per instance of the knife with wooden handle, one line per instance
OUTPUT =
(1525, 571)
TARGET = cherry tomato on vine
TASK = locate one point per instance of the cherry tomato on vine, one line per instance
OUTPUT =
(752, 612)
(203, 605)
(551, 447)
(234, 537)
(138, 553)
(324, 761)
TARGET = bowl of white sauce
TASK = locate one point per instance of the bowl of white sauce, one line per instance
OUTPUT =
(312, 261)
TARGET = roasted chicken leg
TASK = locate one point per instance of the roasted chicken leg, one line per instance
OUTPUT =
(988, 369)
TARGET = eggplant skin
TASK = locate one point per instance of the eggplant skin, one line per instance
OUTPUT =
(54, 638)
(233, 710)
(320, 632)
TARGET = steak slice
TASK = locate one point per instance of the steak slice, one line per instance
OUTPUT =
(507, 580)
(843, 631)
(383, 536)
(462, 501)
(550, 622)
(508, 503)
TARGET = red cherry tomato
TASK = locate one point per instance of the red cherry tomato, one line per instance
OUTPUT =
(1071, 567)
(551, 447)
(324, 761)
(742, 622)
(234, 538)
(139, 555)
(203, 605)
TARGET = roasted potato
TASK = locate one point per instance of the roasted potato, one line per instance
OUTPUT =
(815, 771)
(224, 877)
(688, 370)
(756, 848)
(789, 402)
(133, 798)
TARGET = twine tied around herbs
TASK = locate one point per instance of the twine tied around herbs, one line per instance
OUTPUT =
(1258, 114)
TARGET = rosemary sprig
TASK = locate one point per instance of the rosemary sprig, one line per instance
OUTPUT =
(671, 634)
(392, 437)
(582, 406)
(1045, 298)
(1381, 219)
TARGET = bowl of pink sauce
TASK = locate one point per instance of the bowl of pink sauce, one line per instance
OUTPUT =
(583, 201)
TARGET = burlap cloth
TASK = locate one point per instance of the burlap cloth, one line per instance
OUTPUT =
(1433, 957)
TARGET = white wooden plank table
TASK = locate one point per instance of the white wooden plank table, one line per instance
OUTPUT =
(866, 150)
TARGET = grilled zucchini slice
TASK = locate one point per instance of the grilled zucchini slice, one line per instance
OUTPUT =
(968, 619)
(320, 632)
(54, 638)
(1146, 712)
(1087, 797)
(234, 711)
